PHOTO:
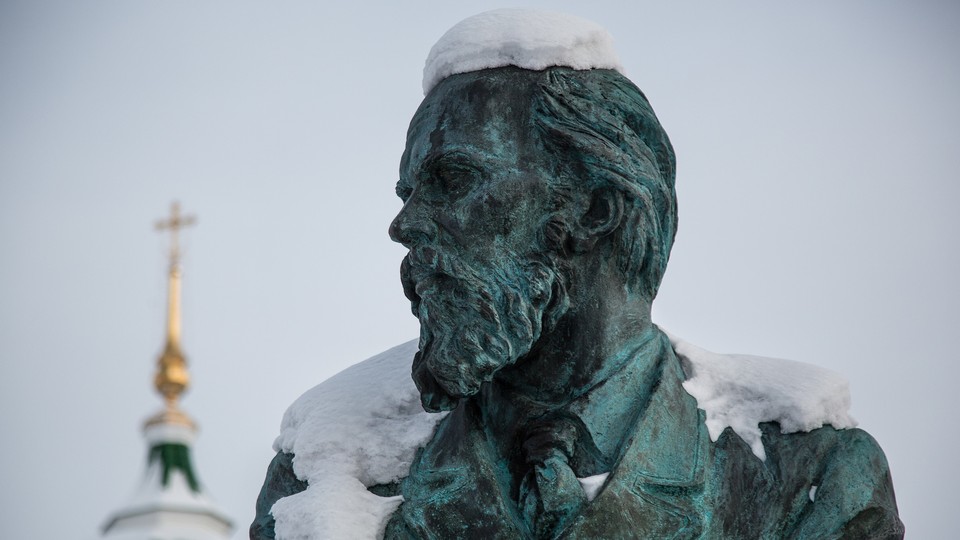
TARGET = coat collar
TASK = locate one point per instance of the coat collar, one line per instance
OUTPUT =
(669, 441)
(666, 447)
(652, 489)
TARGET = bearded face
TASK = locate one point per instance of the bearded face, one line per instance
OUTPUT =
(478, 197)
(475, 320)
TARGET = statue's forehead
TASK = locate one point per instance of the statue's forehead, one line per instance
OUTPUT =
(469, 114)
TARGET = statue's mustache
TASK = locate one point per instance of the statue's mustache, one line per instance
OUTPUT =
(425, 269)
(409, 285)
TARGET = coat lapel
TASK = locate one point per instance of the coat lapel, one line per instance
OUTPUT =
(459, 465)
(650, 492)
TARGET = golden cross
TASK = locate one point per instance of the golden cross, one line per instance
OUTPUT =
(174, 224)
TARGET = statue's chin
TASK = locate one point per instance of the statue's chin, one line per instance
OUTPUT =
(433, 396)
(462, 382)
(445, 376)
(460, 388)
(473, 323)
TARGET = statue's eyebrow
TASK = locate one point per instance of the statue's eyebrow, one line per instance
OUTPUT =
(450, 156)
(403, 189)
(457, 156)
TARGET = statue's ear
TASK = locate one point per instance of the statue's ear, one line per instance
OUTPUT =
(602, 217)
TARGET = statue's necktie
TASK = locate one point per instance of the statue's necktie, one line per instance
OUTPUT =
(550, 495)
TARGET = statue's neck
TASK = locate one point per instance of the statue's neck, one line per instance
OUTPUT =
(594, 366)
(557, 373)
(607, 406)
(593, 339)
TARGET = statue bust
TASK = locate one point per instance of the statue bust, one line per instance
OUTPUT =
(539, 212)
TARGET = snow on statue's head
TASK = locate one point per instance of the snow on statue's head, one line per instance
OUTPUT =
(531, 162)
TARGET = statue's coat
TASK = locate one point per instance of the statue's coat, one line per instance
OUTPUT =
(671, 482)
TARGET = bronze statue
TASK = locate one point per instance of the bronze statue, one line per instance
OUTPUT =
(539, 213)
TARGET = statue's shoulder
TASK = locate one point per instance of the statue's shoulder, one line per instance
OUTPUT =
(850, 451)
(846, 478)
(822, 443)
(354, 431)
(379, 386)
(742, 392)
(794, 419)
(822, 483)
(366, 421)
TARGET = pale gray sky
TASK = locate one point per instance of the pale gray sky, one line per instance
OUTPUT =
(817, 149)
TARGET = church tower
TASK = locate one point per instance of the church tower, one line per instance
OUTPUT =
(170, 503)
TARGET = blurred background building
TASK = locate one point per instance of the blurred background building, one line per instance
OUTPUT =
(170, 502)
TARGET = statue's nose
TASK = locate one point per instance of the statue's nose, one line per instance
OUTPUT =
(412, 226)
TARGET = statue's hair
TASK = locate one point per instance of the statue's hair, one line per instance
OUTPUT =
(601, 129)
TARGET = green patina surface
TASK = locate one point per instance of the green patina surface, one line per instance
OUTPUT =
(280, 482)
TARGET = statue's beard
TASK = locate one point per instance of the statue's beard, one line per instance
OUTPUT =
(473, 321)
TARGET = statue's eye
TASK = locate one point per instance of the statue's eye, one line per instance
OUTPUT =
(445, 176)
(454, 179)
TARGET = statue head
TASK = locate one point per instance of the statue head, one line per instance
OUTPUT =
(517, 186)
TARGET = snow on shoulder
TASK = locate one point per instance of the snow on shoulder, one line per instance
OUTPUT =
(741, 392)
(528, 39)
(357, 429)
(363, 426)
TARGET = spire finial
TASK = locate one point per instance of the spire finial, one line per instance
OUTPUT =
(174, 224)
(172, 377)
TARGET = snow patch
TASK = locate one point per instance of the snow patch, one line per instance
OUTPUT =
(591, 485)
(357, 429)
(169, 433)
(741, 391)
(526, 38)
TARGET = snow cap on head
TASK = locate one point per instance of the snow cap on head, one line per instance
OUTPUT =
(525, 38)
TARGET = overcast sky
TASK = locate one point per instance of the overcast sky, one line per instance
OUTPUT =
(817, 147)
